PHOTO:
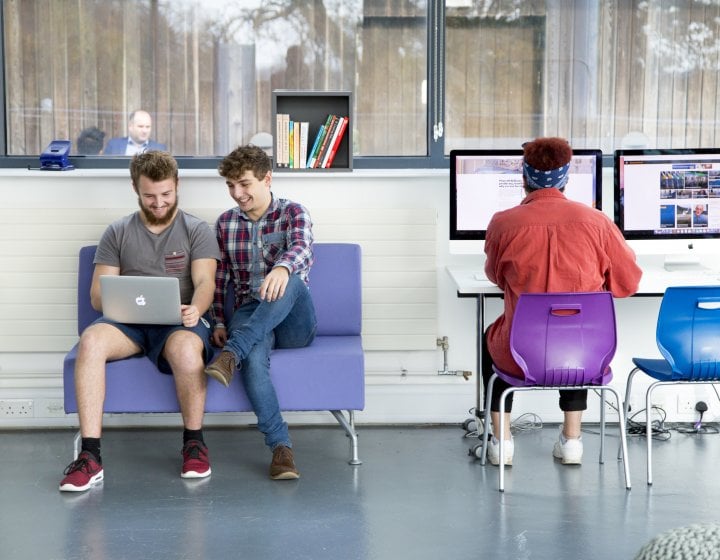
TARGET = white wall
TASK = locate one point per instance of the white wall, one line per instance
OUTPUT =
(47, 212)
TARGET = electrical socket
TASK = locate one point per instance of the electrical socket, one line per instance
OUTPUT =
(686, 405)
(16, 408)
(49, 408)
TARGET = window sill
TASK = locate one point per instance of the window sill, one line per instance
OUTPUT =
(212, 173)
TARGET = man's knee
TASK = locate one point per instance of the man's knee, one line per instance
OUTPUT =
(105, 340)
(183, 347)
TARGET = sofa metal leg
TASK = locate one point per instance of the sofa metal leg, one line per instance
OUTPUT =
(349, 427)
(76, 445)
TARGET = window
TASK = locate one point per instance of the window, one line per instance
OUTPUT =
(428, 76)
(204, 70)
(604, 74)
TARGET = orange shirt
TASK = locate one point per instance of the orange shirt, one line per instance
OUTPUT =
(551, 244)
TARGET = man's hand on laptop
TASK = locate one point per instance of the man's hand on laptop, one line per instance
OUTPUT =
(190, 315)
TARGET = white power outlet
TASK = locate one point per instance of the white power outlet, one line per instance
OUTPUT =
(685, 405)
(16, 408)
(49, 408)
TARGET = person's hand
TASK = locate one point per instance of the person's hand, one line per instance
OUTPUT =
(219, 337)
(190, 315)
(273, 286)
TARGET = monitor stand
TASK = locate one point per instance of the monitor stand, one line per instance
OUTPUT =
(683, 263)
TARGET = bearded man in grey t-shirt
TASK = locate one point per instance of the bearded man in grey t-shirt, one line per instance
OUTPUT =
(158, 240)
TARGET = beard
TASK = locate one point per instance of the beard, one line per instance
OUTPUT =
(150, 218)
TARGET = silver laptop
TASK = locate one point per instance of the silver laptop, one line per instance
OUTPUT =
(153, 300)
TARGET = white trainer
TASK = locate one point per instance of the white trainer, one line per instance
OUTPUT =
(493, 452)
(568, 450)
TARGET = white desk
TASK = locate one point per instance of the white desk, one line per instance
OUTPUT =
(654, 281)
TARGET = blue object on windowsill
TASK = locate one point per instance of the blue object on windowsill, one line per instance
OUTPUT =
(55, 156)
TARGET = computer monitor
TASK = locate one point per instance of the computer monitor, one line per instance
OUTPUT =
(483, 182)
(668, 202)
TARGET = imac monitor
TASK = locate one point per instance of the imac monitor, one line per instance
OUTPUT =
(670, 198)
(483, 182)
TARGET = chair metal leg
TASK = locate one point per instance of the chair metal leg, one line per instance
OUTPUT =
(487, 420)
(623, 436)
(501, 439)
(626, 402)
(622, 452)
(602, 425)
(648, 429)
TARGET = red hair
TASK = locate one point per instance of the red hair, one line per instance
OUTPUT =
(547, 153)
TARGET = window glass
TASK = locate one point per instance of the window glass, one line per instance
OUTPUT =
(605, 74)
(201, 72)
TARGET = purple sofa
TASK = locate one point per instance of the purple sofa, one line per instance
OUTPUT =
(327, 375)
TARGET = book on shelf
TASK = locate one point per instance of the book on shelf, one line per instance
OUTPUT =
(293, 146)
(316, 146)
(319, 138)
(304, 130)
(281, 125)
(296, 144)
(336, 141)
(329, 132)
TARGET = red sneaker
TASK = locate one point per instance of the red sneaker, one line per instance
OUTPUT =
(196, 461)
(82, 473)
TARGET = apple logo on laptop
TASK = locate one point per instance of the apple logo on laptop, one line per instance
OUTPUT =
(140, 300)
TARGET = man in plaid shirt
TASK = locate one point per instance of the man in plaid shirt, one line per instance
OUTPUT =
(266, 251)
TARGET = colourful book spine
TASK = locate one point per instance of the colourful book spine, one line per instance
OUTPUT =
(281, 140)
(330, 130)
(321, 133)
(336, 143)
(316, 145)
(291, 145)
(285, 146)
(304, 126)
(296, 144)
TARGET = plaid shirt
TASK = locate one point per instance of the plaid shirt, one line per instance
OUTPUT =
(249, 250)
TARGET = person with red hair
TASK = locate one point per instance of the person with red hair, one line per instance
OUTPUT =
(548, 244)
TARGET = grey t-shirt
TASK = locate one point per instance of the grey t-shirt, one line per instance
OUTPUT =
(129, 245)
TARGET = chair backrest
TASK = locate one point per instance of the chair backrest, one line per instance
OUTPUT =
(335, 283)
(564, 338)
(85, 312)
(688, 331)
(336, 288)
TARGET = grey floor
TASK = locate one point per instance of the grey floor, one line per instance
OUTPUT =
(417, 495)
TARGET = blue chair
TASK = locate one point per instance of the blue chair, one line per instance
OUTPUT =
(561, 341)
(688, 336)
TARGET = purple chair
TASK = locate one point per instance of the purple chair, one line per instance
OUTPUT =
(327, 375)
(560, 341)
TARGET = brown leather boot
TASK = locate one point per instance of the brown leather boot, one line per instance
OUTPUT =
(222, 368)
(283, 465)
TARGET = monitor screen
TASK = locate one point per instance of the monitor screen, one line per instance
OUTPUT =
(668, 194)
(483, 182)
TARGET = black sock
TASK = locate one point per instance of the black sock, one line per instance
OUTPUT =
(92, 445)
(192, 434)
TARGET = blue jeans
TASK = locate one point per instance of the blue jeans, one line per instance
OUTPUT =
(255, 329)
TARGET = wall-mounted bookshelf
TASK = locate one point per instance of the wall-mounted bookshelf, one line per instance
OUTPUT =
(313, 107)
